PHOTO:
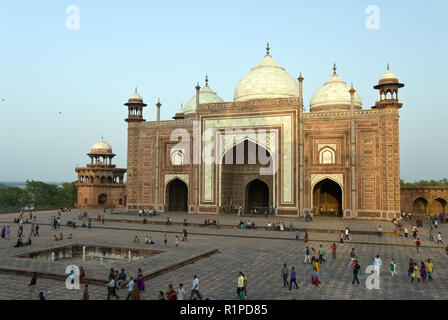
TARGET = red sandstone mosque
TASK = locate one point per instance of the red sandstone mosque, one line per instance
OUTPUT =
(262, 151)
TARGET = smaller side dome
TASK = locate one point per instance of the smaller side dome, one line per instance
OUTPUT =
(135, 97)
(101, 147)
(334, 95)
(206, 95)
(388, 77)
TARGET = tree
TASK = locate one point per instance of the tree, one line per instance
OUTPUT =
(12, 198)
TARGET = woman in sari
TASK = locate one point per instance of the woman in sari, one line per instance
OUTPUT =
(315, 278)
(140, 280)
(135, 292)
(305, 238)
(3, 232)
(423, 271)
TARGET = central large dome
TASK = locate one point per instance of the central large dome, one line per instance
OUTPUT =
(268, 80)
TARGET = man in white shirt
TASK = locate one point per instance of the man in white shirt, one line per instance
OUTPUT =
(377, 263)
(111, 289)
(181, 292)
(195, 288)
(130, 287)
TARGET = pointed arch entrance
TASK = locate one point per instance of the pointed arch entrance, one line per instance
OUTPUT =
(257, 195)
(438, 206)
(420, 205)
(245, 167)
(327, 198)
(177, 195)
(102, 199)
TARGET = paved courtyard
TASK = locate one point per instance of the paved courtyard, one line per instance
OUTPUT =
(259, 254)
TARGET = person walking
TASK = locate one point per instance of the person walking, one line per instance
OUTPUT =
(417, 245)
(177, 241)
(293, 278)
(171, 293)
(431, 238)
(111, 289)
(411, 267)
(315, 278)
(423, 273)
(352, 257)
(356, 271)
(333, 251)
(305, 238)
(313, 255)
(130, 286)
(316, 265)
(307, 255)
(393, 268)
(415, 274)
(439, 238)
(380, 232)
(285, 273)
(32, 285)
(85, 295)
(377, 263)
(297, 234)
(195, 288)
(8, 231)
(240, 286)
(429, 269)
(181, 292)
(341, 238)
(406, 232)
(321, 254)
(347, 234)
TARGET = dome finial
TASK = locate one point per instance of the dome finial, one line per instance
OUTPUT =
(206, 80)
(334, 68)
(135, 89)
(388, 66)
(267, 49)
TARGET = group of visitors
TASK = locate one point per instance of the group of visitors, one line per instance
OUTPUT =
(246, 225)
(278, 226)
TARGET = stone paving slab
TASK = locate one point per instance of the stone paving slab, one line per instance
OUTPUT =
(258, 256)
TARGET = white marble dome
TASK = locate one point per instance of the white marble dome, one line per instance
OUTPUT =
(332, 95)
(136, 96)
(101, 146)
(206, 95)
(268, 80)
(389, 75)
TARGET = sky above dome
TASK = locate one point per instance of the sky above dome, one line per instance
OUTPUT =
(62, 89)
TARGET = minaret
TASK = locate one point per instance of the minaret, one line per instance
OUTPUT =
(196, 151)
(301, 155)
(156, 196)
(135, 107)
(389, 106)
(388, 86)
(354, 195)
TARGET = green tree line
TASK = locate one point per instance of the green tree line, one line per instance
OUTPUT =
(441, 182)
(37, 195)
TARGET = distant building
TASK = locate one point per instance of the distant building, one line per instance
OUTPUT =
(100, 184)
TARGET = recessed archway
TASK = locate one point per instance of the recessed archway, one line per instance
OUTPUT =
(327, 198)
(102, 199)
(438, 206)
(242, 164)
(420, 205)
(257, 195)
(176, 196)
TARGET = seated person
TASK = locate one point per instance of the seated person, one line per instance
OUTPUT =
(185, 222)
(60, 237)
(167, 220)
(70, 236)
(55, 238)
(150, 241)
(269, 225)
(84, 224)
(28, 243)
(136, 240)
(145, 221)
(19, 243)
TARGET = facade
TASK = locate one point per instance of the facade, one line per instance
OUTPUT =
(424, 199)
(262, 151)
(100, 184)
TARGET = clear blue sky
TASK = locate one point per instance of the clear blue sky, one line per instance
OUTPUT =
(165, 47)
